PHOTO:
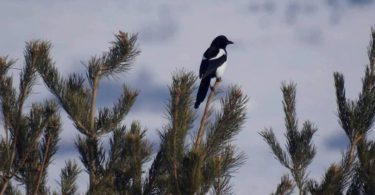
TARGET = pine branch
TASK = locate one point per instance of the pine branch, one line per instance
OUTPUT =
(219, 156)
(366, 165)
(118, 60)
(356, 118)
(71, 93)
(68, 177)
(8, 102)
(231, 161)
(5, 65)
(75, 97)
(228, 122)
(12, 190)
(129, 152)
(285, 187)
(35, 54)
(215, 162)
(371, 51)
(140, 150)
(299, 142)
(108, 119)
(332, 182)
(289, 105)
(222, 186)
(176, 171)
(25, 130)
(269, 136)
(32, 161)
(218, 170)
(79, 100)
(201, 129)
(357, 186)
(156, 181)
(48, 148)
(343, 106)
(181, 116)
(4, 151)
(92, 156)
(306, 135)
(7, 96)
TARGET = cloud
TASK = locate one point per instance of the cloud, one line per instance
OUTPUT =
(266, 7)
(67, 144)
(161, 29)
(292, 12)
(152, 96)
(311, 36)
(360, 2)
(339, 141)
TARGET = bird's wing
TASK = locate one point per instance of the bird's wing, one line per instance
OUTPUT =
(203, 67)
(212, 59)
(211, 52)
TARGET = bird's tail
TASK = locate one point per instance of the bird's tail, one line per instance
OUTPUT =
(202, 91)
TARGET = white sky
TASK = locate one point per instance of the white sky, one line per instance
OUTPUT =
(285, 40)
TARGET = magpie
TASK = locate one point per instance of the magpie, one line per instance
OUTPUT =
(213, 65)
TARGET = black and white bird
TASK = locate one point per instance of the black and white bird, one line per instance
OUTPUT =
(213, 64)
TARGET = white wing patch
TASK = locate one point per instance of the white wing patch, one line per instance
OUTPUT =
(220, 70)
(221, 53)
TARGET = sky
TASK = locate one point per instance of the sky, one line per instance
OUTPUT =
(275, 40)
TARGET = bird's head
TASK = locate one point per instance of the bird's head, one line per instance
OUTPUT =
(221, 41)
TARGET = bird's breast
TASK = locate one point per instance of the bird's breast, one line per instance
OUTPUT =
(220, 70)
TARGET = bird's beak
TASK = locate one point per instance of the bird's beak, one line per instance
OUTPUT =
(229, 42)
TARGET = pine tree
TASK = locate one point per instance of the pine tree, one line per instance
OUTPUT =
(355, 174)
(30, 140)
(299, 144)
(356, 119)
(121, 171)
(181, 166)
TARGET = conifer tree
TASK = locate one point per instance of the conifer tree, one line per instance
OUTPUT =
(187, 167)
(300, 149)
(121, 171)
(30, 140)
(356, 173)
(181, 165)
(178, 168)
(356, 119)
